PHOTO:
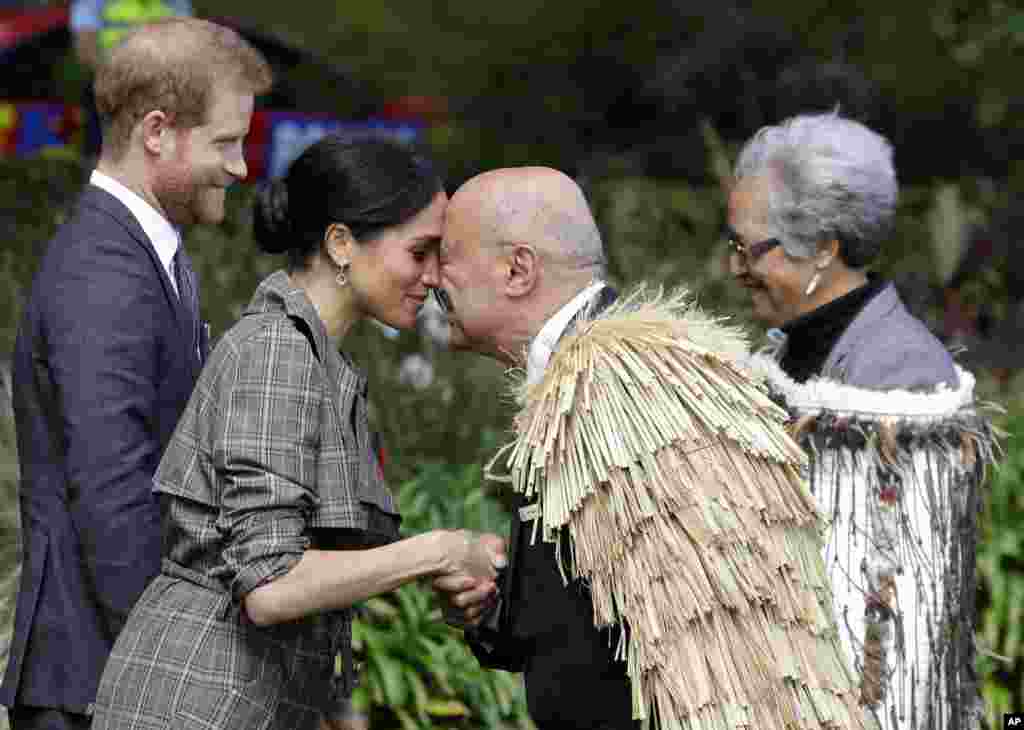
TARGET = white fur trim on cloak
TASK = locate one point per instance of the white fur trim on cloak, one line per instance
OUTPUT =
(897, 476)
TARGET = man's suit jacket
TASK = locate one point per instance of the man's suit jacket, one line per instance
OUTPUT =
(545, 629)
(103, 368)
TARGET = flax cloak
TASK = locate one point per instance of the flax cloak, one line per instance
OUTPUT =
(670, 474)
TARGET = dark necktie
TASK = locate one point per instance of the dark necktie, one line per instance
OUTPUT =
(185, 278)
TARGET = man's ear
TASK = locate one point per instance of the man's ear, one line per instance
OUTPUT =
(157, 133)
(522, 269)
(339, 243)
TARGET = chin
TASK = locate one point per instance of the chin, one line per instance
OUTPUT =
(762, 313)
(210, 215)
(208, 207)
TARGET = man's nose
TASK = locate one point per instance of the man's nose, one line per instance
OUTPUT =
(236, 167)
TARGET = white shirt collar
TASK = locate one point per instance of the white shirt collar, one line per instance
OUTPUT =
(543, 345)
(161, 233)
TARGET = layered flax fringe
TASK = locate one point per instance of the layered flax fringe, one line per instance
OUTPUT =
(897, 476)
(672, 477)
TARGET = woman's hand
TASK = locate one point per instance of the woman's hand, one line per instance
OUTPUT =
(474, 554)
(467, 586)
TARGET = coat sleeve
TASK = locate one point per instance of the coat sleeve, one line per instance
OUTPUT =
(265, 455)
(102, 332)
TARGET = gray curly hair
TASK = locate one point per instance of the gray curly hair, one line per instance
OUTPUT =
(833, 177)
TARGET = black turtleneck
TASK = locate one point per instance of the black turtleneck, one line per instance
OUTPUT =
(811, 337)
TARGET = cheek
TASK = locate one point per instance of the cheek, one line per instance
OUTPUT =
(783, 284)
(387, 281)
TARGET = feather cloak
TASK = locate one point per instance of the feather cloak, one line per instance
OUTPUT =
(897, 476)
(668, 470)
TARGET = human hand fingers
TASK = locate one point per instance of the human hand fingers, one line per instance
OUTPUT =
(483, 555)
(466, 608)
(454, 583)
(497, 546)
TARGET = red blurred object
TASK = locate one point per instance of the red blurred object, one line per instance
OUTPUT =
(428, 110)
(35, 43)
(19, 25)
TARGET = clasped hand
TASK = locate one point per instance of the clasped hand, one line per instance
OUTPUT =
(467, 585)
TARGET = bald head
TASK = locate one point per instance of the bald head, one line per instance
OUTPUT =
(518, 244)
(172, 66)
(534, 205)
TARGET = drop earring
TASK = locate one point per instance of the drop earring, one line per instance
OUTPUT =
(342, 277)
(812, 285)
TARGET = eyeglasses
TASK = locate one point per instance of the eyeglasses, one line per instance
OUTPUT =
(752, 252)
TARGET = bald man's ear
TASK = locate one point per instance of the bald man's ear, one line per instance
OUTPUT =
(522, 269)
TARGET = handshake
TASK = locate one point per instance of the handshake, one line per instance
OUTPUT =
(467, 583)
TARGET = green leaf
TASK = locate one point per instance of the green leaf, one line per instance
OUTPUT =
(375, 684)
(1015, 25)
(360, 699)
(396, 692)
(409, 609)
(446, 708)
(419, 691)
(380, 608)
(407, 720)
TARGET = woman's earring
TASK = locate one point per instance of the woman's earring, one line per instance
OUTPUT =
(342, 277)
(812, 284)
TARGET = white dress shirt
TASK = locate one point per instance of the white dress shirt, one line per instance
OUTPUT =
(161, 233)
(544, 344)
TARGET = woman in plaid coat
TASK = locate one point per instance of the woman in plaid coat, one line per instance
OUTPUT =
(275, 516)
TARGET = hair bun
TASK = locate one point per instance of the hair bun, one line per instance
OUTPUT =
(272, 225)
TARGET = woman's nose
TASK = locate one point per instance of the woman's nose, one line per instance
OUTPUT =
(431, 277)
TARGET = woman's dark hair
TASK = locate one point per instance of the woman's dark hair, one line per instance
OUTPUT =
(367, 184)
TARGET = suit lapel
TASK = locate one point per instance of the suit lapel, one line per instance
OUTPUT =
(99, 199)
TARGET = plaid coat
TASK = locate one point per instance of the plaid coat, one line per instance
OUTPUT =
(272, 456)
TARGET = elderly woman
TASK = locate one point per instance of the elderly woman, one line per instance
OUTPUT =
(897, 445)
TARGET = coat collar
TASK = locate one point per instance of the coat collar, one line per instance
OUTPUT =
(821, 394)
(277, 293)
(166, 239)
(99, 199)
(545, 342)
(879, 307)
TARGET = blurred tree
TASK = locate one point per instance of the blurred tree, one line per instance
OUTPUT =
(590, 85)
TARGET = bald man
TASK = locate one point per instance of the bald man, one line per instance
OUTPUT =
(662, 473)
(521, 259)
(109, 349)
